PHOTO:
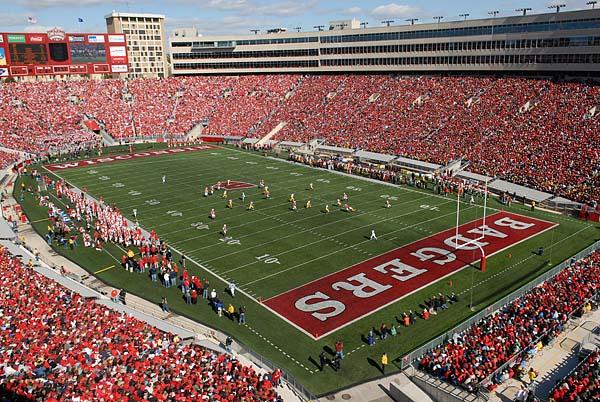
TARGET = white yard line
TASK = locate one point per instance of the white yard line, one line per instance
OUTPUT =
(342, 249)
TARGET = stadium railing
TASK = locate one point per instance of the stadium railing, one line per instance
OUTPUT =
(297, 386)
(410, 358)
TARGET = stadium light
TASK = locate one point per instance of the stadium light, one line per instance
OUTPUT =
(319, 27)
(493, 13)
(364, 24)
(298, 29)
(412, 20)
(592, 3)
(387, 22)
(256, 31)
(439, 18)
(524, 10)
(464, 15)
(557, 7)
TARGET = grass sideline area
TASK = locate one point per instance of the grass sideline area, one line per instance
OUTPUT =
(312, 244)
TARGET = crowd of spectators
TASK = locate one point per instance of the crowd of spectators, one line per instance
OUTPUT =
(534, 132)
(524, 325)
(583, 384)
(56, 345)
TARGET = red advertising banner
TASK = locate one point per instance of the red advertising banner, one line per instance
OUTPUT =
(334, 301)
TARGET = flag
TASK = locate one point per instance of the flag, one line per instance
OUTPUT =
(32, 20)
(79, 19)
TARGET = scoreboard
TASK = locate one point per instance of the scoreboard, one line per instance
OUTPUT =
(58, 53)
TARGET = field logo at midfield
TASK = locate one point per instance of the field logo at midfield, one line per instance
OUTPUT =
(235, 185)
(327, 304)
(125, 157)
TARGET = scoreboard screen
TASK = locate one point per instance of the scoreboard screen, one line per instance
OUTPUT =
(88, 53)
(56, 52)
(21, 53)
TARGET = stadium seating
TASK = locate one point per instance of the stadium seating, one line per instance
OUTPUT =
(56, 345)
(471, 356)
(534, 132)
(583, 384)
(7, 158)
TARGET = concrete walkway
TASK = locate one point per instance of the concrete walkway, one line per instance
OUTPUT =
(555, 362)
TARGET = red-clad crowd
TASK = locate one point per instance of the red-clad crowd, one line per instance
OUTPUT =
(7, 158)
(583, 384)
(471, 356)
(58, 346)
(534, 132)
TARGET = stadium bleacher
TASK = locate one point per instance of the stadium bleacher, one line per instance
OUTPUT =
(533, 132)
(56, 345)
(468, 358)
(582, 384)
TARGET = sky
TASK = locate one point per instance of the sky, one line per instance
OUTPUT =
(240, 16)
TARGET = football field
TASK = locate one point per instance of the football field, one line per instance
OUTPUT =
(308, 277)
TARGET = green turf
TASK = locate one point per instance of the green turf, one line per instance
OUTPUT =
(307, 243)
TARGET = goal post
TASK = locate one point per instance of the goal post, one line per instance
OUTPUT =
(458, 223)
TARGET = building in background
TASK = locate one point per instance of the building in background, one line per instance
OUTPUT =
(555, 43)
(146, 42)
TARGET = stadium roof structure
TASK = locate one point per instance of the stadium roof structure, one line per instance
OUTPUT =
(374, 156)
(521, 191)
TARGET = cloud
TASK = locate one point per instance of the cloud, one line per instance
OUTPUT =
(394, 10)
(228, 25)
(352, 10)
(34, 4)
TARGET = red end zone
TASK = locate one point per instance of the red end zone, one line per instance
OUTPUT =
(125, 157)
(334, 301)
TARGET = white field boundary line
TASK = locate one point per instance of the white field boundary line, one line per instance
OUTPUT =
(312, 228)
(322, 239)
(103, 249)
(151, 159)
(342, 249)
(408, 294)
(242, 291)
(184, 183)
(288, 212)
(406, 187)
(193, 261)
(508, 268)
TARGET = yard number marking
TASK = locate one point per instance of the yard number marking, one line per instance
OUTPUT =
(103, 178)
(92, 171)
(152, 202)
(272, 168)
(230, 240)
(323, 181)
(134, 193)
(297, 174)
(267, 259)
(389, 197)
(354, 188)
(174, 213)
(199, 225)
(118, 185)
(429, 207)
